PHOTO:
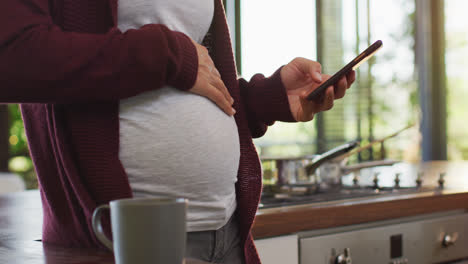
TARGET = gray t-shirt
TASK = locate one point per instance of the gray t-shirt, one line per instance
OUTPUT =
(175, 143)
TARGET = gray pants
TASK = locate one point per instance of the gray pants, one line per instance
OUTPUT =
(217, 246)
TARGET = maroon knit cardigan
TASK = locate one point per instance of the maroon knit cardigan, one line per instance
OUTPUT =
(69, 66)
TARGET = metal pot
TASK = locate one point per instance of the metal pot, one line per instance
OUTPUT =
(301, 174)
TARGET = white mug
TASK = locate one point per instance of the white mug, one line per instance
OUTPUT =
(145, 230)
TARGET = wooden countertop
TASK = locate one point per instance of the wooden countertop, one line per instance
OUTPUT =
(292, 219)
(20, 236)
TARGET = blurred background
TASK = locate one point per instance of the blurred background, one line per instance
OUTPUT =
(418, 78)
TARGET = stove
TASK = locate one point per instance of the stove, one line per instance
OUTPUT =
(344, 193)
(398, 179)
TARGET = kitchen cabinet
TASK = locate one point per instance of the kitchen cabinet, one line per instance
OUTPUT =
(278, 250)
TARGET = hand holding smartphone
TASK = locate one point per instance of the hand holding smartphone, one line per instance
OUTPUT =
(354, 64)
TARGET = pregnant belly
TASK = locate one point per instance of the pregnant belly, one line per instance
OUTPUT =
(173, 142)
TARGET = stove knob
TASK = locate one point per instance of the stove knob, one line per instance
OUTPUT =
(441, 180)
(397, 180)
(376, 180)
(344, 258)
(419, 179)
(449, 240)
(355, 179)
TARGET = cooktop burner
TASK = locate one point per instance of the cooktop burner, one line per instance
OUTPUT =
(285, 199)
(376, 181)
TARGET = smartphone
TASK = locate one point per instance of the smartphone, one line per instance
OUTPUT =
(356, 62)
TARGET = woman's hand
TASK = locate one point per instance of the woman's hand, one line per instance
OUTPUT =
(300, 77)
(209, 83)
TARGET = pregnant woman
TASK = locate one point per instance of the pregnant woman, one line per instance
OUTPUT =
(138, 98)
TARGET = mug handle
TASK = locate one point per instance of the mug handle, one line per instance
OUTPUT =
(97, 226)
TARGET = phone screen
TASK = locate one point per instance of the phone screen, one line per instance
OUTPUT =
(354, 64)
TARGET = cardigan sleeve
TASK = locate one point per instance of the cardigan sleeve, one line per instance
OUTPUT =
(266, 101)
(41, 63)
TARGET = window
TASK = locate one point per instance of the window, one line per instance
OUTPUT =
(273, 33)
(382, 101)
(456, 56)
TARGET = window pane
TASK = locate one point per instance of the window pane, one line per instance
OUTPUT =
(273, 33)
(382, 101)
(456, 28)
(386, 90)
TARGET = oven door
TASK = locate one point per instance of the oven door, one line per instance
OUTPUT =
(413, 240)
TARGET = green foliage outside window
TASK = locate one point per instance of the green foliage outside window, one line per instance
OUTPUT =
(20, 162)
